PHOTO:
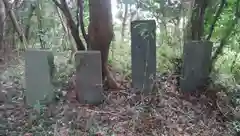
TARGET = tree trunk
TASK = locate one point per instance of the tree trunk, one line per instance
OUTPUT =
(40, 24)
(100, 31)
(196, 23)
(2, 22)
(124, 20)
(28, 25)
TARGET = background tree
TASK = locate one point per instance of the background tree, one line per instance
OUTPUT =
(2, 22)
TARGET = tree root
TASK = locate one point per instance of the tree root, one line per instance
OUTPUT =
(111, 81)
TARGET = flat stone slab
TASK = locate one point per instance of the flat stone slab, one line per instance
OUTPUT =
(39, 70)
(196, 65)
(89, 77)
(143, 53)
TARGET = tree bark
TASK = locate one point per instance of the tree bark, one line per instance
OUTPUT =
(100, 31)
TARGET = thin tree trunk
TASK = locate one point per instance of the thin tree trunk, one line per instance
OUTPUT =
(28, 25)
(70, 22)
(124, 20)
(16, 25)
(81, 21)
(40, 25)
(216, 17)
(2, 23)
(66, 30)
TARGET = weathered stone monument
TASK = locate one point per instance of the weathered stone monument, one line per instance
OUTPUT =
(143, 50)
(39, 70)
(89, 77)
(196, 65)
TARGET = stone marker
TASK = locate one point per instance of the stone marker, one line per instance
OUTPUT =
(196, 65)
(143, 50)
(89, 77)
(39, 70)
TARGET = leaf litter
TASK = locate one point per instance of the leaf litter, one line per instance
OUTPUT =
(124, 113)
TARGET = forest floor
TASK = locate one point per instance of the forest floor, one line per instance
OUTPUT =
(165, 113)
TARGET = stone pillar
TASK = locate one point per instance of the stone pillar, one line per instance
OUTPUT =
(196, 65)
(89, 77)
(143, 51)
(39, 70)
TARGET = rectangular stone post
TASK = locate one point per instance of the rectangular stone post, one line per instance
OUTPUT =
(143, 54)
(89, 77)
(39, 70)
(196, 65)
